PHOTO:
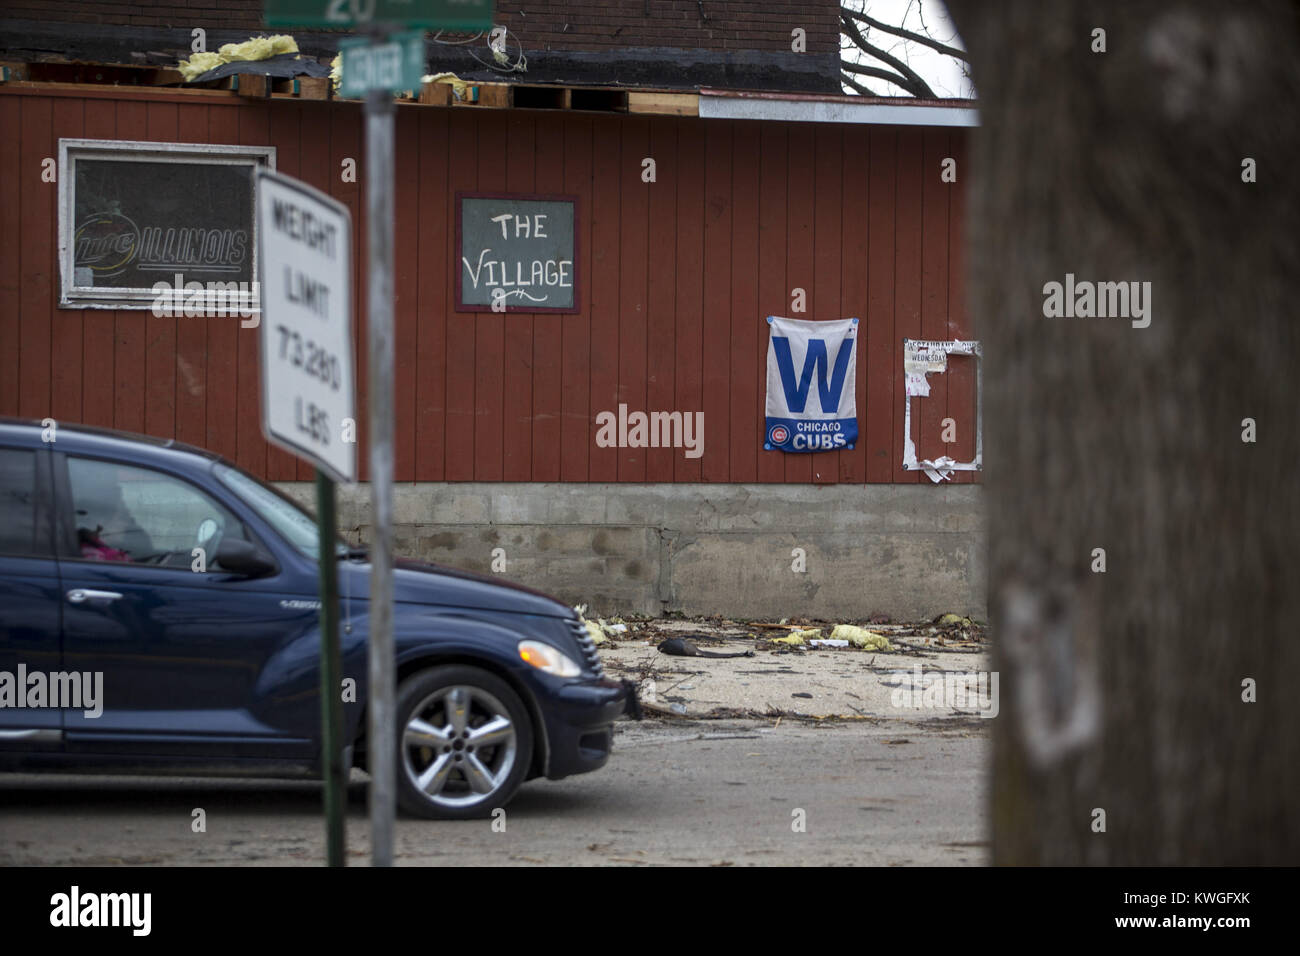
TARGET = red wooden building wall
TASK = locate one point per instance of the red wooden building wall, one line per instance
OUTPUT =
(675, 277)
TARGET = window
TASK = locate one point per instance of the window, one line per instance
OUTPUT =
(18, 523)
(285, 515)
(138, 516)
(146, 225)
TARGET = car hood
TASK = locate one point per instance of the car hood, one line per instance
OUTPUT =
(419, 582)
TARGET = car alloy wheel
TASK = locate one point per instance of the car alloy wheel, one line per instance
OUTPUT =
(465, 743)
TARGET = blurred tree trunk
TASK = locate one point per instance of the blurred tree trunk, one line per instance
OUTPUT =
(1122, 691)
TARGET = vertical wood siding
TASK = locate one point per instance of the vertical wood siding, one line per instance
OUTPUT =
(676, 278)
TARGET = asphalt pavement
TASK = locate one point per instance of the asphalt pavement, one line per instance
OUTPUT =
(676, 792)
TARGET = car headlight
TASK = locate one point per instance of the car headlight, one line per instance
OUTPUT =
(548, 659)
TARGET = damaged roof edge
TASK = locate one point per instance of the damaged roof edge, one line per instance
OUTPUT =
(679, 68)
(811, 108)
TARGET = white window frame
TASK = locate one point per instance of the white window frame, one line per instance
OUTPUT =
(72, 296)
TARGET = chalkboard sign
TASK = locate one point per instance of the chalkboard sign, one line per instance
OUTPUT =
(517, 251)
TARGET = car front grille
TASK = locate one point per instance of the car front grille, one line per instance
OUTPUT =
(590, 657)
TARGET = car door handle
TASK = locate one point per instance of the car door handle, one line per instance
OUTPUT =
(84, 595)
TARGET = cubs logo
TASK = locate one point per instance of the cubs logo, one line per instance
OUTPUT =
(778, 435)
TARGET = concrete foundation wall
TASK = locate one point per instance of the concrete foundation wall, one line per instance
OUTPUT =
(909, 551)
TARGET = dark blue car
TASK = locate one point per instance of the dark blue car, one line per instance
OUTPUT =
(188, 590)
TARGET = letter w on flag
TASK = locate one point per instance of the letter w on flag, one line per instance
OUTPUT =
(801, 353)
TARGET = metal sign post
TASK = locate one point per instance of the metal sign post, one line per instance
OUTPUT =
(387, 64)
(331, 668)
(305, 276)
(379, 173)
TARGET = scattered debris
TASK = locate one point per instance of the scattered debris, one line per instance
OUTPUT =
(802, 694)
(861, 637)
(600, 631)
(947, 620)
(799, 637)
(280, 48)
(856, 686)
(681, 647)
(459, 87)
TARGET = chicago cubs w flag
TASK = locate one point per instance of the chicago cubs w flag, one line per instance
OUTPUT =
(811, 375)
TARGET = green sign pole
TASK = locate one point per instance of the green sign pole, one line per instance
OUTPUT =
(331, 694)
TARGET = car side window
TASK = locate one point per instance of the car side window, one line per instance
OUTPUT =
(140, 516)
(19, 532)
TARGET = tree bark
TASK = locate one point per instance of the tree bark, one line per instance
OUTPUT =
(1122, 691)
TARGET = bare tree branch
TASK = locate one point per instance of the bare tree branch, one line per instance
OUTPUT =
(849, 81)
(895, 78)
(916, 86)
(932, 43)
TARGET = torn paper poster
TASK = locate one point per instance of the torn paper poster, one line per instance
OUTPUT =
(940, 469)
(921, 358)
(924, 357)
(811, 377)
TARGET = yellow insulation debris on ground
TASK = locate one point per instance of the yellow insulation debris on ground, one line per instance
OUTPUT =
(799, 637)
(861, 637)
(598, 629)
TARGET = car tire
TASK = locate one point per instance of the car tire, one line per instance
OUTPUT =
(464, 743)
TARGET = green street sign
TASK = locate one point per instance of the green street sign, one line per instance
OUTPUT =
(393, 64)
(341, 14)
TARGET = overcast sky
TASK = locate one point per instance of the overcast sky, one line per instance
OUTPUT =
(928, 17)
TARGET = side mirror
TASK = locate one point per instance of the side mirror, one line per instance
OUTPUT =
(244, 557)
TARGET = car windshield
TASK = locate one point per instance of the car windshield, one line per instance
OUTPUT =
(294, 523)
